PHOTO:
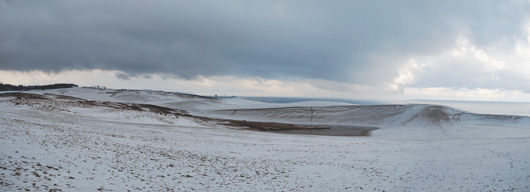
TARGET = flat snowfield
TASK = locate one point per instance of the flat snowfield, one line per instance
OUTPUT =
(84, 139)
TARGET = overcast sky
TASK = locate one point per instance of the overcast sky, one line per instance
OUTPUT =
(472, 50)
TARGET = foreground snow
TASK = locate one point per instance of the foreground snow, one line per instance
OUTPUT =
(45, 146)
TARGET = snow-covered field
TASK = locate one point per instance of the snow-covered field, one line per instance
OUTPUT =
(84, 139)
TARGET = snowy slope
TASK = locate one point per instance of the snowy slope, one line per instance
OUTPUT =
(374, 115)
(100, 141)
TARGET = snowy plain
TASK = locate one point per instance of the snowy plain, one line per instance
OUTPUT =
(77, 140)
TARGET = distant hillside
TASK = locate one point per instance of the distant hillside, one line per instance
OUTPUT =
(8, 87)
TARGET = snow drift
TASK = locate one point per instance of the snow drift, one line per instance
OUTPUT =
(370, 115)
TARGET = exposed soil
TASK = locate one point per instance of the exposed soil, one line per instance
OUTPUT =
(307, 129)
(271, 126)
(19, 95)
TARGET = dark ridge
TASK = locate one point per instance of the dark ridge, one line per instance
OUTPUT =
(305, 129)
(23, 95)
(115, 105)
(8, 87)
(271, 126)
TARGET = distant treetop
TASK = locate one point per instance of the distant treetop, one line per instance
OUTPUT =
(8, 87)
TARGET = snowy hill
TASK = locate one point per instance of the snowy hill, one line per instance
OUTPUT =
(84, 139)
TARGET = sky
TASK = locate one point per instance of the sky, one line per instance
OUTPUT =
(444, 50)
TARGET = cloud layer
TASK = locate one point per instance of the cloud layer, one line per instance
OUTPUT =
(355, 42)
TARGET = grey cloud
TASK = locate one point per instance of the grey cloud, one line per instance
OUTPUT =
(123, 76)
(345, 41)
(126, 76)
(147, 76)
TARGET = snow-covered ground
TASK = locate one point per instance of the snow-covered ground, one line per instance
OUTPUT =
(71, 144)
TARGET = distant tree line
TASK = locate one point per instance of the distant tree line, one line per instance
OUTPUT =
(8, 87)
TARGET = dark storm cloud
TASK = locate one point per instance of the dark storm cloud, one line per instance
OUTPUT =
(336, 40)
